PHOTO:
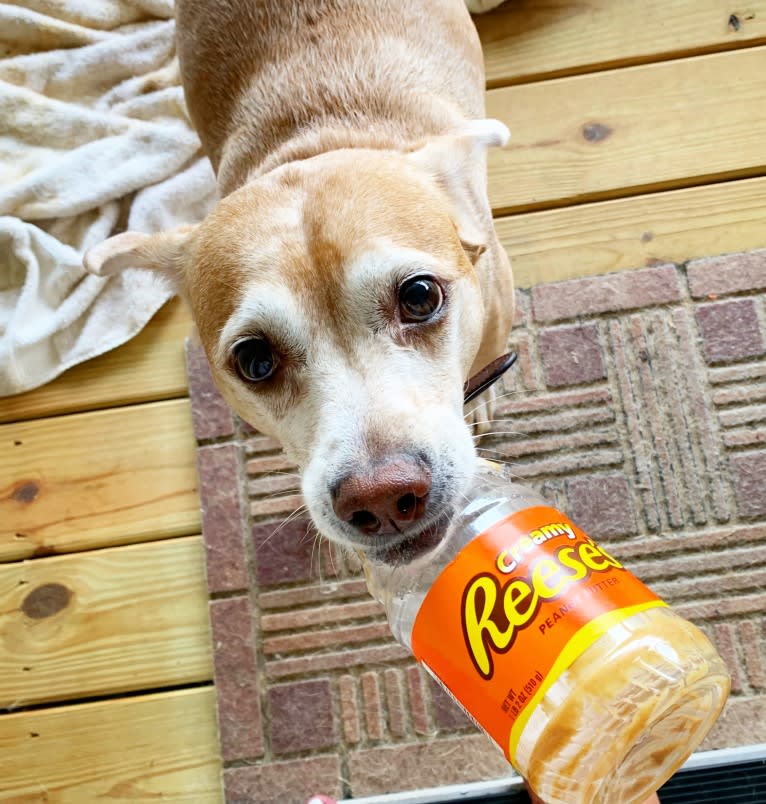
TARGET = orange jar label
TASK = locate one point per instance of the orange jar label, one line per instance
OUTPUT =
(515, 609)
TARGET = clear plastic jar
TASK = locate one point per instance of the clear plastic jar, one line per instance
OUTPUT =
(592, 687)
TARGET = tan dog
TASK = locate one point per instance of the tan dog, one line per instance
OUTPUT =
(350, 280)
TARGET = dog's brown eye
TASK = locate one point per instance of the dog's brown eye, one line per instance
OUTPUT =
(254, 359)
(419, 299)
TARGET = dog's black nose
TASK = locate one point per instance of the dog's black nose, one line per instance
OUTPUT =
(383, 498)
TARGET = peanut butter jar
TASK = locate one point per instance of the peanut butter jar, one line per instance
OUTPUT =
(593, 688)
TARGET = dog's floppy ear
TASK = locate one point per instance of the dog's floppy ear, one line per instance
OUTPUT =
(458, 162)
(165, 253)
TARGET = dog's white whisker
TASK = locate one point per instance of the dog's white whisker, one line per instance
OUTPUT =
(497, 433)
(286, 521)
(330, 552)
(488, 421)
(500, 460)
(277, 493)
(508, 464)
(504, 423)
(300, 510)
(488, 449)
(473, 410)
(315, 542)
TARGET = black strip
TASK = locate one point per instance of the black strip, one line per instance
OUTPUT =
(744, 783)
(488, 375)
(741, 783)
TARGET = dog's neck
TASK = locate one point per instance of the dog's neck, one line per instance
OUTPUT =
(245, 158)
(272, 82)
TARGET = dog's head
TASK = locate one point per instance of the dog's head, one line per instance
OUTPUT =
(340, 307)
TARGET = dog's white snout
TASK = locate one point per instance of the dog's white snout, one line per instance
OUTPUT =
(383, 498)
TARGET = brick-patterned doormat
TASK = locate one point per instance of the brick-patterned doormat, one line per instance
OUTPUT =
(638, 405)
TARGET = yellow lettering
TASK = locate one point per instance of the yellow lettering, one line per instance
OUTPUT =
(548, 579)
(592, 557)
(567, 557)
(521, 597)
(523, 545)
(537, 536)
(504, 564)
(478, 624)
(552, 530)
(514, 597)
(613, 562)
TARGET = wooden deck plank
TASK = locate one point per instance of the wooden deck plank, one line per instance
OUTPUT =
(141, 750)
(104, 622)
(95, 479)
(621, 132)
(674, 226)
(147, 368)
(528, 39)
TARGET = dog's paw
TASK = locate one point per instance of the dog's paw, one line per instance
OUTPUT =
(482, 6)
(480, 412)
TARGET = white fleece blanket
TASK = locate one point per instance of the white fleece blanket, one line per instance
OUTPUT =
(94, 139)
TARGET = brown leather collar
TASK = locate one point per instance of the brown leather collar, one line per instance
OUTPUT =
(484, 378)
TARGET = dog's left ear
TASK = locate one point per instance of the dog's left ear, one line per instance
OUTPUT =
(165, 253)
(458, 162)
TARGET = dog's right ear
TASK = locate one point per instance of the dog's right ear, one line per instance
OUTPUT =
(458, 163)
(165, 253)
